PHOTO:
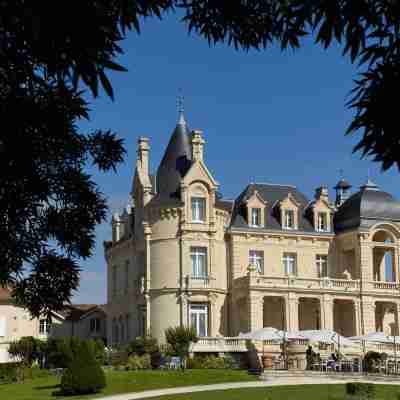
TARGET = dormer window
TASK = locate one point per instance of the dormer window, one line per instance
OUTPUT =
(198, 209)
(288, 219)
(322, 222)
(255, 217)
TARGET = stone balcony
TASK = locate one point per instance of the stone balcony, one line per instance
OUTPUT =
(205, 282)
(219, 345)
(333, 285)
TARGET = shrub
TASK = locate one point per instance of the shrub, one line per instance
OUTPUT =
(211, 362)
(155, 359)
(143, 345)
(10, 372)
(180, 338)
(139, 362)
(371, 359)
(84, 374)
(361, 390)
(61, 351)
(27, 349)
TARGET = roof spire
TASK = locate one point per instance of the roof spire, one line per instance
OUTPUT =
(181, 108)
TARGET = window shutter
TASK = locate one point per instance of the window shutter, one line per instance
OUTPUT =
(3, 326)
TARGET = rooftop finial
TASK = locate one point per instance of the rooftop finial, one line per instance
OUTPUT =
(180, 106)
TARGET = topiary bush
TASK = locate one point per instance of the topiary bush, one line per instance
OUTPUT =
(84, 375)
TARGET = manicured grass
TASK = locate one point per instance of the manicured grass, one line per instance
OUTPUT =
(123, 382)
(298, 392)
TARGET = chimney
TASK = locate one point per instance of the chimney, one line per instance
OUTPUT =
(321, 193)
(197, 143)
(143, 155)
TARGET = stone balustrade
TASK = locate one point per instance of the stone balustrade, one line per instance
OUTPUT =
(327, 284)
(219, 345)
(206, 282)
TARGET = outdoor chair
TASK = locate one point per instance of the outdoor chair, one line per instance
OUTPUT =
(175, 363)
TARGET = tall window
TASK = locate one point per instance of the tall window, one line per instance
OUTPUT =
(256, 258)
(322, 265)
(199, 318)
(198, 209)
(114, 280)
(128, 326)
(95, 325)
(288, 219)
(290, 263)
(322, 222)
(199, 261)
(44, 326)
(126, 277)
(255, 217)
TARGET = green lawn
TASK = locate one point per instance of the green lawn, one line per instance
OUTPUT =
(124, 381)
(298, 392)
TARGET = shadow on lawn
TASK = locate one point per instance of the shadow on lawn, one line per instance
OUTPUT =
(46, 387)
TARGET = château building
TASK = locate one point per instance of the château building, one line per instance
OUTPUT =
(182, 255)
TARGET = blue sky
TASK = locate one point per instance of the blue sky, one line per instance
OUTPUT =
(267, 116)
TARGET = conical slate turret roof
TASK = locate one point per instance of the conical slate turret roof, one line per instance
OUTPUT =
(176, 161)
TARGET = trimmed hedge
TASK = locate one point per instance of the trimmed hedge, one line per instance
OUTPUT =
(211, 362)
(14, 372)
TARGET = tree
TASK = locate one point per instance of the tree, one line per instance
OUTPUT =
(368, 30)
(27, 349)
(50, 52)
(180, 338)
(84, 374)
(49, 204)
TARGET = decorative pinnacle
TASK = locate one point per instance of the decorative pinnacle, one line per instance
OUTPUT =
(181, 108)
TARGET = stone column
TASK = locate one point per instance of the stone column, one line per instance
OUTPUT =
(397, 318)
(368, 315)
(148, 315)
(255, 312)
(396, 264)
(184, 309)
(357, 317)
(327, 312)
(292, 312)
(365, 259)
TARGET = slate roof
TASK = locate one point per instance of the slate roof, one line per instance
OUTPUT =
(343, 184)
(73, 312)
(176, 161)
(225, 205)
(272, 194)
(369, 203)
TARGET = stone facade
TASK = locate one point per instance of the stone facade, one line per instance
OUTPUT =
(86, 321)
(181, 255)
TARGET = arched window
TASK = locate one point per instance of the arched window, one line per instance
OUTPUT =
(383, 237)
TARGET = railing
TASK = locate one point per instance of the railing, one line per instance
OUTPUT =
(307, 283)
(200, 282)
(220, 345)
(385, 285)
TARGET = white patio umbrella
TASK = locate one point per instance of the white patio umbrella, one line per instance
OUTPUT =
(326, 336)
(268, 333)
(376, 337)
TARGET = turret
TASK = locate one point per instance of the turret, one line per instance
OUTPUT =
(342, 192)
